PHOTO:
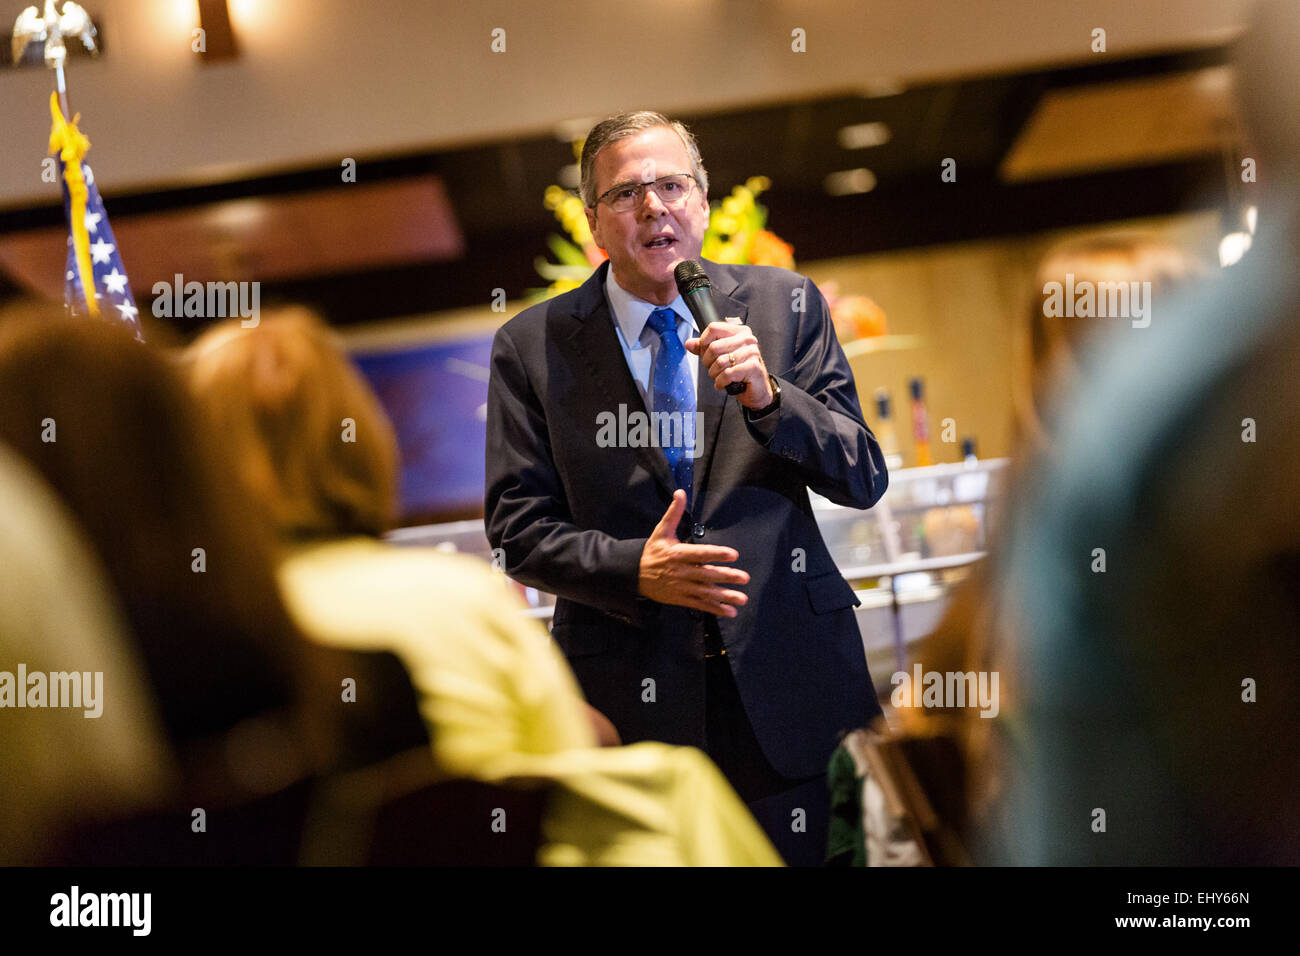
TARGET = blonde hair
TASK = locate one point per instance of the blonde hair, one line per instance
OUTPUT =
(311, 441)
(977, 632)
(1047, 347)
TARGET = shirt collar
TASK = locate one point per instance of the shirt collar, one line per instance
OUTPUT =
(632, 313)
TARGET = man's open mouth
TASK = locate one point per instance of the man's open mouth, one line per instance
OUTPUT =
(660, 242)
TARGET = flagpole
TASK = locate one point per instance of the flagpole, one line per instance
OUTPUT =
(61, 83)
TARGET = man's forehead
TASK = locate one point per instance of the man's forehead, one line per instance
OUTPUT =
(642, 158)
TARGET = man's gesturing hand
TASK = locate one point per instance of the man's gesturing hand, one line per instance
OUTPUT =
(673, 572)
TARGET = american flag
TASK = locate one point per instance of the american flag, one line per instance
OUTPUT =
(112, 291)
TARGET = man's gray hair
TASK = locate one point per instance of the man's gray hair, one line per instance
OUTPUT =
(629, 124)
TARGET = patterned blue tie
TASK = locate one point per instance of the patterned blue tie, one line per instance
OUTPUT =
(675, 392)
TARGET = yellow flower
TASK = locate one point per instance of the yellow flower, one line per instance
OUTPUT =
(725, 224)
(569, 211)
(732, 253)
(562, 285)
(581, 232)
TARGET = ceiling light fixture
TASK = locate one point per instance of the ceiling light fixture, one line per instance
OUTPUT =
(864, 135)
(850, 182)
(218, 33)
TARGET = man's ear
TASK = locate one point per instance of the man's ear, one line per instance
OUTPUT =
(591, 224)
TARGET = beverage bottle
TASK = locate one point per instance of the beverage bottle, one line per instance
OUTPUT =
(920, 424)
(885, 433)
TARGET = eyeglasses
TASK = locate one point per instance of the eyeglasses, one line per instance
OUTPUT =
(671, 190)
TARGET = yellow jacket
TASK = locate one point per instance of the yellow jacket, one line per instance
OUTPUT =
(502, 704)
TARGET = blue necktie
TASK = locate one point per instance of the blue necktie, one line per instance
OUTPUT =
(674, 392)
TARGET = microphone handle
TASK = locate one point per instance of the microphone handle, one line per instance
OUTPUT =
(701, 305)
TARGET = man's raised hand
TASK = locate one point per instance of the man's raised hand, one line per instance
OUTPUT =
(673, 572)
(730, 353)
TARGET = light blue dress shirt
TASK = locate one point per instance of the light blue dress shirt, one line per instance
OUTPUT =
(639, 342)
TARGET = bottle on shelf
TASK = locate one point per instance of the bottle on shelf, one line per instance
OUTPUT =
(920, 424)
(972, 461)
(885, 433)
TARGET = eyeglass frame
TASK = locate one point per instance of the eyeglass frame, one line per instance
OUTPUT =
(602, 198)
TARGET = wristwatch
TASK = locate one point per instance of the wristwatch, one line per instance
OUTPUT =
(773, 406)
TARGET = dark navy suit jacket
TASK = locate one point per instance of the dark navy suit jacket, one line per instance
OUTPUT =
(571, 517)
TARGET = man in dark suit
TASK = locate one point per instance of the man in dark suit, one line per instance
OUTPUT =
(760, 664)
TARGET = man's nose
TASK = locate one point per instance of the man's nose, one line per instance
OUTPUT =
(652, 207)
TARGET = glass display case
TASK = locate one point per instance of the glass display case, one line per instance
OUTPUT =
(902, 557)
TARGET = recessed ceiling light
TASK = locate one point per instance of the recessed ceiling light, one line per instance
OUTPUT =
(849, 182)
(237, 215)
(881, 86)
(864, 135)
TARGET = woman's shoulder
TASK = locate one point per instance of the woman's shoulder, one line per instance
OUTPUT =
(361, 565)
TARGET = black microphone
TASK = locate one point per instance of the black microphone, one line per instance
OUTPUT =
(693, 283)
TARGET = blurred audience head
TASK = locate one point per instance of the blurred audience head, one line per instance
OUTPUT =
(1053, 348)
(311, 441)
(109, 424)
(1150, 590)
(94, 746)
(1054, 338)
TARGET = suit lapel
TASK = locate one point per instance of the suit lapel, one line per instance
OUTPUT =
(595, 340)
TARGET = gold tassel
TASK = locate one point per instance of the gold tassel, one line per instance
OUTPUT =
(71, 145)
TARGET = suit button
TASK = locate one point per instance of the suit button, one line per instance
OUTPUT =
(697, 531)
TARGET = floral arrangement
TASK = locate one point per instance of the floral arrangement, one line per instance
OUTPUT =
(855, 316)
(578, 258)
(737, 235)
(737, 232)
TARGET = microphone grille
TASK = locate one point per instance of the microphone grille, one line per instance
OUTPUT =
(690, 277)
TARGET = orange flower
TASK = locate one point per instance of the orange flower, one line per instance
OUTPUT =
(767, 249)
(857, 316)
